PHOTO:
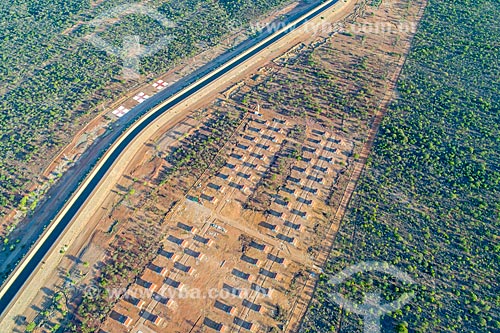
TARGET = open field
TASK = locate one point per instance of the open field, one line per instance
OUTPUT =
(428, 201)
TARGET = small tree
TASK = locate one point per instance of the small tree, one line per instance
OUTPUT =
(31, 327)
(402, 328)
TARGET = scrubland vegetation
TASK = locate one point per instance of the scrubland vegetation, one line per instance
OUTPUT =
(52, 79)
(428, 201)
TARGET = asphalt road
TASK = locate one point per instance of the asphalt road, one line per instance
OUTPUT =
(143, 115)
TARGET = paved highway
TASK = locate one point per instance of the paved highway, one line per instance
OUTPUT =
(21, 275)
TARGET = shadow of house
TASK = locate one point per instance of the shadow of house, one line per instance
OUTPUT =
(122, 319)
(231, 290)
(219, 327)
(225, 308)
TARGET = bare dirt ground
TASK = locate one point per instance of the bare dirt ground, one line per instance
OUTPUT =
(221, 226)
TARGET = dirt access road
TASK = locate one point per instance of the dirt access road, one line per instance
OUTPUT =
(45, 274)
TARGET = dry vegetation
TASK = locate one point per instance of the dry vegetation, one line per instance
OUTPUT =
(428, 202)
(54, 82)
(232, 190)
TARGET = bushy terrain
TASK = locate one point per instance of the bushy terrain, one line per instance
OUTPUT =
(51, 77)
(428, 201)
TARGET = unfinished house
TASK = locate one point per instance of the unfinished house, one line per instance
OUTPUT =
(293, 180)
(318, 132)
(274, 213)
(310, 189)
(243, 175)
(216, 187)
(157, 269)
(138, 303)
(241, 146)
(203, 240)
(194, 254)
(282, 202)
(276, 259)
(279, 121)
(231, 290)
(174, 284)
(168, 254)
(269, 226)
(306, 202)
(268, 273)
(294, 226)
(298, 169)
(252, 306)
(242, 275)
(250, 260)
(155, 319)
(184, 268)
(289, 240)
(208, 198)
(162, 299)
(225, 308)
(309, 149)
(249, 165)
(331, 150)
(236, 156)
(224, 176)
(275, 129)
(258, 246)
(298, 213)
(245, 324)
(146, 284)
(320, 169)
(249, 137)
(258, 156)
(230, 166)
(218, 327)
(176, 241)
(122, 319)
(262, 146)
(237, 186)
(288, 190)
(315, 179)
(333, 140)
(326, 159)
(315, 141)
(186, 227)
(262, 290)
(269, 137)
